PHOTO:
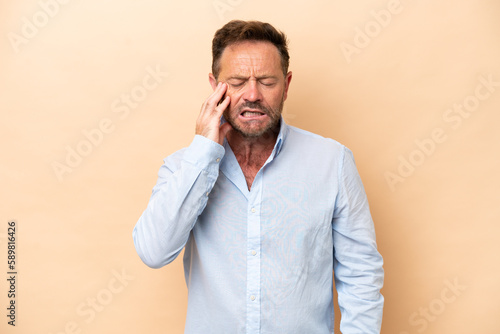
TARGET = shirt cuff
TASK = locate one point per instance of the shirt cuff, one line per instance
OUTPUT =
(204, 152)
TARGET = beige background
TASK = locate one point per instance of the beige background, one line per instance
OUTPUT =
(437, 222)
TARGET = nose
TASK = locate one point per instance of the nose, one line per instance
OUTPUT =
(252, 92)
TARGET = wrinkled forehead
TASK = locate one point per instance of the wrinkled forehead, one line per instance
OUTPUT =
(250, 58)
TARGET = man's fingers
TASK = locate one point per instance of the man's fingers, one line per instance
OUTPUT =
(217, 95)
(208, 121)
(223, 105)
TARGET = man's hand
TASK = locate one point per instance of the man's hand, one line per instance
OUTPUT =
(208, 121)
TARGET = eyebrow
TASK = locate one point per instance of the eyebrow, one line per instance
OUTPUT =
(239, 77)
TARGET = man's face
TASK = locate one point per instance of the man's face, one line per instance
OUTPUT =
(256, 85)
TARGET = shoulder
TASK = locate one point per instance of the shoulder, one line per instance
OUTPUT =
(303, 140)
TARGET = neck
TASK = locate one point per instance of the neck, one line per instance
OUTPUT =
(252, 150)
(252, 153)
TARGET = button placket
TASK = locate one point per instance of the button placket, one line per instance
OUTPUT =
(253, 260)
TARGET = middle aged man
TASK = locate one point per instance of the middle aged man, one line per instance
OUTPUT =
(265, 211)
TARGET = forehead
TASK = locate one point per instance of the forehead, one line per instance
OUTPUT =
(250, 57)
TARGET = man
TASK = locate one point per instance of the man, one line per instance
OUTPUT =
(264, 211)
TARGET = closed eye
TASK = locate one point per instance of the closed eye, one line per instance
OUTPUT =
(237, 84)
(268, 83)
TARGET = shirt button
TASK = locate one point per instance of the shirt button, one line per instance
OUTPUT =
(218, 159)
(254, 253)
(253, 210)
(208, 193)
(252, 297)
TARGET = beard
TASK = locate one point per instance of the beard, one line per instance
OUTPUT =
(249, 131)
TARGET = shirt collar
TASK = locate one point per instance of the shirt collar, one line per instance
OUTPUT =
(232, 170)
(279, 140)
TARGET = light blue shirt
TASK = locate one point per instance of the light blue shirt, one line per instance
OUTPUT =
(261, 261)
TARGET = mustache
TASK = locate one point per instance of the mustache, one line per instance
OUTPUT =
(253, 105)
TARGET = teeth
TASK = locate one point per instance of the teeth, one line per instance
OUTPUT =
(249, 114)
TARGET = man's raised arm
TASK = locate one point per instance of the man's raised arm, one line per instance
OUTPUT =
(181, 192)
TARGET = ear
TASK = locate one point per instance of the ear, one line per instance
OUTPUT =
(212, 80)
(288, 78)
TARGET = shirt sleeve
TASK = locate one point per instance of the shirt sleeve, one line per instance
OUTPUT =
(358, 270)
(178, 198)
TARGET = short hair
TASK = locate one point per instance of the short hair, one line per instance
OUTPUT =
(239, 31)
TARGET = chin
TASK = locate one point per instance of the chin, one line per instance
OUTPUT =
(256, 132)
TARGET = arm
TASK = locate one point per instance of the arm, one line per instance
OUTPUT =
(178, 198)
(359, 275)
(181, 192)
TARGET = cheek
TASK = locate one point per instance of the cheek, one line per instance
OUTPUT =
(235, 98)
(275, 97)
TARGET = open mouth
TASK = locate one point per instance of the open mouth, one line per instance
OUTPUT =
(252, 113)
